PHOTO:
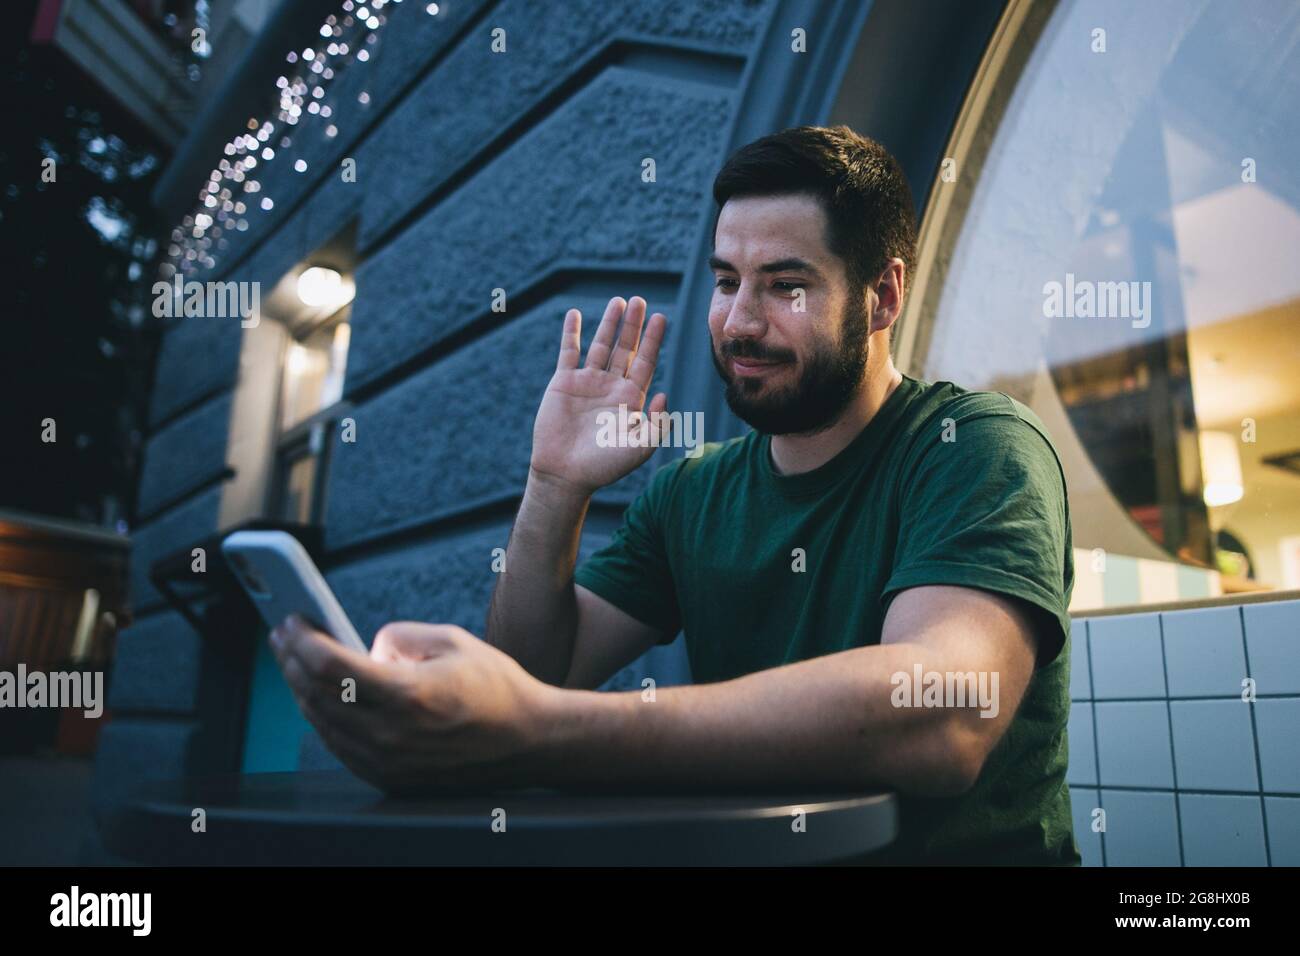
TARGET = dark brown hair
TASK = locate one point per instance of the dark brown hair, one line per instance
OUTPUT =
(860, 185)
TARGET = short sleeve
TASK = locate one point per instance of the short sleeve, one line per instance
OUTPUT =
(633, 571)
(988, 509)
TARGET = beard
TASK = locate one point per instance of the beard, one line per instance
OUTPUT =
(830, 379)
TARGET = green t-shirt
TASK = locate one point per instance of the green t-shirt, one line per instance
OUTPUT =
(945, 485)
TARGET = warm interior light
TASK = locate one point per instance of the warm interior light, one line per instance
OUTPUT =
(1220, 468)
(319, 287)
(298, 359)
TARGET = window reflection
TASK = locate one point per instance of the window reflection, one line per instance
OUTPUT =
(1127, 266)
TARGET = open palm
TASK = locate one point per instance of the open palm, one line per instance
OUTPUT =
(569, 445)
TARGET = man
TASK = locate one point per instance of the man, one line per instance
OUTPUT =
(872, 583)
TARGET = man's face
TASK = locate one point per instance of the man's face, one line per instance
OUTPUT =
(786, 371)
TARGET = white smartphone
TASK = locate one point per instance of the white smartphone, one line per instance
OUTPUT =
(281, 579)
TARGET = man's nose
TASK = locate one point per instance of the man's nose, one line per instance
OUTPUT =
(745, 320)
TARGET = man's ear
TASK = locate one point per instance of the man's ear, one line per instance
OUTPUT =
(889, 290)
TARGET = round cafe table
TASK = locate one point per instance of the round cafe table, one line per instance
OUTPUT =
(332, 818)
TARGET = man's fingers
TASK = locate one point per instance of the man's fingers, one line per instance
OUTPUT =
(603, 342)
(658, 404)
(633, 319)
(408, 640)
(356, 753)
(305, 690)
(326, 663)
(652, 423)
(322, 657)
(570, 341)
(642, 369)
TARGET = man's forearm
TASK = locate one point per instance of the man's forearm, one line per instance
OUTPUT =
(533, 614)
(822, 722)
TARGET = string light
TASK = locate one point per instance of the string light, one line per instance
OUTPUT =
(299, 97)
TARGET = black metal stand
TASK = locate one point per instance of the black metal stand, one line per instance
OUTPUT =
(184, 588)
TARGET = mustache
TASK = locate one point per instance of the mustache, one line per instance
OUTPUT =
(747, 349)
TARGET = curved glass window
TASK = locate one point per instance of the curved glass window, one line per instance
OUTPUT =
(1127, 263)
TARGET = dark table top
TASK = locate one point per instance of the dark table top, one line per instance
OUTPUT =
(332, 818)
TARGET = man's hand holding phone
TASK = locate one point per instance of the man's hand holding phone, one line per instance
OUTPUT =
(431, 707)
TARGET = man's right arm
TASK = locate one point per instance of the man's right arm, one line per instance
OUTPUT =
(561, 632)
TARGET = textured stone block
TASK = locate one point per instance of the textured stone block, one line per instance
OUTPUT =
(569, 189)
(455, 435)
(452, 113)
(176, 528)
(186, 454)
(199, 356)
(157, 666)
(448, 581)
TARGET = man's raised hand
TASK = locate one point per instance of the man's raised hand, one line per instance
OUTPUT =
(569, 447)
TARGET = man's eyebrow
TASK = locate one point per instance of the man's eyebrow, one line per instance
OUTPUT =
(791, 264)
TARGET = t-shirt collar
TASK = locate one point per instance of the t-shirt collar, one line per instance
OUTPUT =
(848, 459)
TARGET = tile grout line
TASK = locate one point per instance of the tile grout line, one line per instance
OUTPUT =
(1193, 698)
(1198, 791)
(1173, 758)
(1096, 741)
(1254, 738)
